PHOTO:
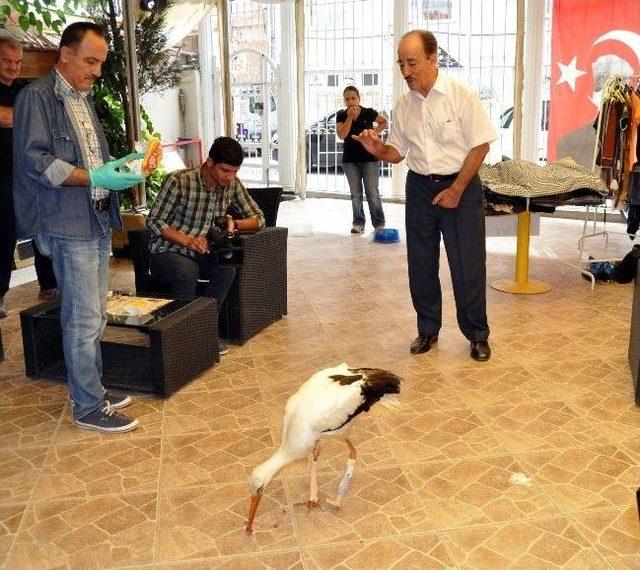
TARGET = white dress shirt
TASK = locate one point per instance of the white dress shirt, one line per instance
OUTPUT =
(435, 133)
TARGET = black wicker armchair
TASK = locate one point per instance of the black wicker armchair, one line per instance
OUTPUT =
(268, 200)
(258, 296)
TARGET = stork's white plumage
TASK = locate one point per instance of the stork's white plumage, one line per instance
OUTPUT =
(324, 405)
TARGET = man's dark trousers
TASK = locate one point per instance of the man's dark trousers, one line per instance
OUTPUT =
(44, 267)
(7, 232)
(464, 238)
(182, 274)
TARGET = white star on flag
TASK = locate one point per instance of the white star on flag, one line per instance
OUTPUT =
(569, 73)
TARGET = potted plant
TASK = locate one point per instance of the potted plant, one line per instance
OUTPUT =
(157, 70)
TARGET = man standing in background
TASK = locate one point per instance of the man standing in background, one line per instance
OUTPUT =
(10, 85)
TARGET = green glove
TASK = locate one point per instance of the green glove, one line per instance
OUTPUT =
(111, 176)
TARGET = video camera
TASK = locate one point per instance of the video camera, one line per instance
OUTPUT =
(224, 247)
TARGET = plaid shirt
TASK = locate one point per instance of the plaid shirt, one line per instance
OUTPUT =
(188, 205)
(76, 105)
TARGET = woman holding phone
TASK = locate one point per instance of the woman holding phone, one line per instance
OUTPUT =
(360, 167)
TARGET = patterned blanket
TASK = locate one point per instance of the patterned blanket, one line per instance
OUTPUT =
(528, 180)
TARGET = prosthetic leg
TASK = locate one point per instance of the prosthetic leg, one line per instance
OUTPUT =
(345, 482)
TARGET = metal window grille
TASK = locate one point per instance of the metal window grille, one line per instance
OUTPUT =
(351, 42)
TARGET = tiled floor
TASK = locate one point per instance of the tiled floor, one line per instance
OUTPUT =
(527, 461)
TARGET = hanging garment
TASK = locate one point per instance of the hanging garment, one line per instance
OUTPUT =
(634, 126)
(623, 151)
(609, 138)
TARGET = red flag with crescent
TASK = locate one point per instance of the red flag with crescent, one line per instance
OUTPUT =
(591, 40)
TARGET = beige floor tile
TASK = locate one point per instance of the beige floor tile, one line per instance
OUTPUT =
(379, 503)
(10, 519)
(432, 390)
(19, 390)
(575, 377)
(615, 533)
(204, 522)
(285, 560)
(437, 435)
(470, 492)
(102, 532)
(615, 417)
(29, 425)
(276, 339)
(12, 367)
(509, 385)
(88, 469)
(415, 552)
(539, 425)
(585, 478)
(231, 373)
(202, 458)
(19, 471)
(214, 411)
(543, 543)
(279, 368)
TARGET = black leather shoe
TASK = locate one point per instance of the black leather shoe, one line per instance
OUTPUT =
(480, 351)
(423, 343)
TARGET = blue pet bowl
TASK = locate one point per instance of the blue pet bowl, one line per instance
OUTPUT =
(387, 235)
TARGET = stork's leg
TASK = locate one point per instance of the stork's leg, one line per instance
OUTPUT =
(345, 482)
(313, 501)
(313, 482)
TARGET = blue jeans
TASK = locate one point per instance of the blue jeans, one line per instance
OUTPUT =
(81, 268)
(359, 174)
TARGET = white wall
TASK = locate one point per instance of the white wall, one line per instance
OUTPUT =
(164, 110)
(177, 113)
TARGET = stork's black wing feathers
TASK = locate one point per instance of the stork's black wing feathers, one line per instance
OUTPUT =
(344, 379)
(376, 384)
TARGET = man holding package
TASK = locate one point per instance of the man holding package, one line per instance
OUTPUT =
(65, 195)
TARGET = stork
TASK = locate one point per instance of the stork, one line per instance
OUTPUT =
(324, 405)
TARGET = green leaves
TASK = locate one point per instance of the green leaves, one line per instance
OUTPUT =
(24, 22)
(39, 14)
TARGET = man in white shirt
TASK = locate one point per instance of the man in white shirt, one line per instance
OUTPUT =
(443, 132)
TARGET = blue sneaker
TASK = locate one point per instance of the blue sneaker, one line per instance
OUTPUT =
(116, 402)
(106, 419)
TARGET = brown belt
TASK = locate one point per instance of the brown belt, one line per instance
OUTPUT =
(102, 205)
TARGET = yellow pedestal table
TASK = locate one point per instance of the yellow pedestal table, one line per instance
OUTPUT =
(522, 284)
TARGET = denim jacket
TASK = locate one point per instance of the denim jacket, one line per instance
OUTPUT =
(45, 150)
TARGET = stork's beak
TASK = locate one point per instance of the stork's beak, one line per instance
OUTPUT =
(253, 507)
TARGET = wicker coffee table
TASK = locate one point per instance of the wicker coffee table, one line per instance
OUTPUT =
(170, 346)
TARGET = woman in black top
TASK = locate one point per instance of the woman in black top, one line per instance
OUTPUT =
(360, 167)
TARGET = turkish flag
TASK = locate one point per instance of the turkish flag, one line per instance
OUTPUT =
(591, 40)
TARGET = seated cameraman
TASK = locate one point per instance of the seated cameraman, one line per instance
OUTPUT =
(190, 205)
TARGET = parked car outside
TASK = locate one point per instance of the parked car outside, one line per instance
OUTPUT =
(324, 148)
